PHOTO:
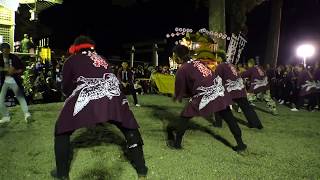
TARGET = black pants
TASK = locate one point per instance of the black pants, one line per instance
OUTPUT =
(279, 90)
(225, 114)
(64, 152)
(312, 101)
(273, 89)
(288, 89)
(318, 99)
(130, 88)
(248, 111)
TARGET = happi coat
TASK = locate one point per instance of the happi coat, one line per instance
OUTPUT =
(257, 78)
(205, 90)
(93, 94)
(232, 80)
(305, 83)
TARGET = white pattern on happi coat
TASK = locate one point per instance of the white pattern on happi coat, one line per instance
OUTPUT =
(260, 83)
(318, 84)
(98, 61)
(210, 93)
(95, 88)
(309, 85)
(234, 85)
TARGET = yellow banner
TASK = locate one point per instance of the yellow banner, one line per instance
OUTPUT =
(164, 82)
(45, 54)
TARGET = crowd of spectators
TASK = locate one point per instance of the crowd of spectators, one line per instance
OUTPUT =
(42, 81)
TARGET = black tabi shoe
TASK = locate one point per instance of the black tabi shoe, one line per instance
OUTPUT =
(170, 134)
(54, 174)
(171, 139)
(240, 148)
(143, 173)
(217, 125)
(260, 127)
(255, 126)
(178, 146)
(173, 145)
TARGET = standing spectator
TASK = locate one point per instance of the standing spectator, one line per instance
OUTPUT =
(26, 44)
(126, 77)
(288, 84)
(279, 84)
(271, 74)
(11, 70)
(316, 76)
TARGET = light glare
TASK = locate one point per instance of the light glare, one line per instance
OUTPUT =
(305, 51)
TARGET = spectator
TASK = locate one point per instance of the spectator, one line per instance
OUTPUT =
(126, 77)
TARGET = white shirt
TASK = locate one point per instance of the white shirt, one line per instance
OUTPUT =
(7, 64)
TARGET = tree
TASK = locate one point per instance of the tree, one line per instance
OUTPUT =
(236, 12)
(217, 19)
(272, 50)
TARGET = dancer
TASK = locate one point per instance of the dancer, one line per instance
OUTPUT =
(259, 86)
(236, 89)
(306, 89)
(94, 97)
(207, 96)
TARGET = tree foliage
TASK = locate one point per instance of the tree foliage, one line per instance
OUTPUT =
(238, 10)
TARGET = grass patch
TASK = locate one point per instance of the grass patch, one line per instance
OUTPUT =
(287, 148)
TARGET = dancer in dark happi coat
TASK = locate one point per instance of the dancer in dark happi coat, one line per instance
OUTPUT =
(235, 87)
(259, 86)
(93, 97)
(207, 96)
(306, 88)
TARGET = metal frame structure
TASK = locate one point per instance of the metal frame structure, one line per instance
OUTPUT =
(7, 15)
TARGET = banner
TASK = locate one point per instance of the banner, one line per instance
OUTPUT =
(45, 54)
(164, 82)
(237, 43)
(232, 48)
(242, 43)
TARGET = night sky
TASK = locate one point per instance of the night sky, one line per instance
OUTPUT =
(300, 23)
(112, 25)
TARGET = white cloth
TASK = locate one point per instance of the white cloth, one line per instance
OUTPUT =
(8, 64)
(9, 80)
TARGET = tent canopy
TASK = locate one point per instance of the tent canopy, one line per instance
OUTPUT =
(41, 4)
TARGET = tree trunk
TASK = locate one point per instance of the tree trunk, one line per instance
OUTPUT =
(217, 19)
(271, 56)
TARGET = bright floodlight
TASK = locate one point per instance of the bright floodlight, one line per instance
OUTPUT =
(305, 51)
